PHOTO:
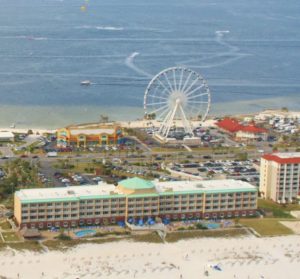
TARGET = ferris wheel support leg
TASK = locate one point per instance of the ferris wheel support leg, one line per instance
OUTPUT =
(187, 126)
(164, 123)
(171, 119)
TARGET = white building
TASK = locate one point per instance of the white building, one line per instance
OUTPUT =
(280, 176)
(6, 136)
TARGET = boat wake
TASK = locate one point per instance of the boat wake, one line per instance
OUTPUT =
(129, 61)
(218, 59)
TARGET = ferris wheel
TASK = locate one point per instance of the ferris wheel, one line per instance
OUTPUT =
(176, 93)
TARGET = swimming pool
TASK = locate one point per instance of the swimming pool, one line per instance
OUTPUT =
(84, 233)
(213, 226)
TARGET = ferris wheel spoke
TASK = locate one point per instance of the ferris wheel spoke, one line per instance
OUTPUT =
(159, 109)
(194, 90)
(174, 78)
(196, 96)
(165, 88)
(186, 82)
(163, 114)
(159, 97)
(180, 80)
(190, 87)
(168, 81)
(157, 103)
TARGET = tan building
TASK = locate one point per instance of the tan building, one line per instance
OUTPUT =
(280, 176)
(89, 134)
(133, 198)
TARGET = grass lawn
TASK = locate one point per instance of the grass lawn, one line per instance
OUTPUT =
(10, 236)
(181, 235)
(279, 211)
(266, 227)
(5, 225)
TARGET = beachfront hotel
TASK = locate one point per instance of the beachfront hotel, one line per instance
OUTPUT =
(280, 177)
(133, 198)
(89, 134)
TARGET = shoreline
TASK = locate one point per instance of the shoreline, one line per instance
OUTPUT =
(54, 117)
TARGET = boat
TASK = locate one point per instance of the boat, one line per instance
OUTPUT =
(13, 125)
(85, 82)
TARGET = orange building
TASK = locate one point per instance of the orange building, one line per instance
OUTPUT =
(89, 134)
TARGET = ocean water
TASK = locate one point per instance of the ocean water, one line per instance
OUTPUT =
(48, 46)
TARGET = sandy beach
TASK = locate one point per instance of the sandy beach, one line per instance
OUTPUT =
(245, 257)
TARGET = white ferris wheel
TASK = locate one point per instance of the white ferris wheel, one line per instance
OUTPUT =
(174, 94)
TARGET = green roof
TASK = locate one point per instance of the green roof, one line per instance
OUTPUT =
(136, 183)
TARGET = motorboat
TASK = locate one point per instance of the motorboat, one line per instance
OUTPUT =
(85, 82)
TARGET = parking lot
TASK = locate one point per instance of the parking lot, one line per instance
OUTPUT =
(231, 169)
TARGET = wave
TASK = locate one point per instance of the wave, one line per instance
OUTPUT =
(108, 28)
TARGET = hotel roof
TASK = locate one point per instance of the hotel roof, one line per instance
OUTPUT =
(103, 190)
(73, 193)
(206, 186)
(136, 184)
(284, 158)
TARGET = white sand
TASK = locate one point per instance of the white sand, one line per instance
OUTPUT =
(293, 225)
(247, 257)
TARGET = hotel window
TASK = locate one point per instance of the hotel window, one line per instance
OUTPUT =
(73, 203)
(66, 203)
(57, 210)
(89, 202)
(24, 205)
(34, 205)
(73, 215)
(89, 213)
(82, 202)
(57, 216)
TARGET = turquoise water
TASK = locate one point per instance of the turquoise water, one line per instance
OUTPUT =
(213, 226)
(84, 233)
(49, 46)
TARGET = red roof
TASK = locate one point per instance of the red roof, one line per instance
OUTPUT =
(280, 160)
(232, 125)
(253, 129)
